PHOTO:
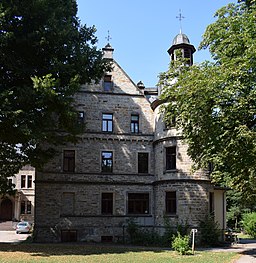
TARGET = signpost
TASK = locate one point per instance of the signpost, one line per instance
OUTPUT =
(194, 231)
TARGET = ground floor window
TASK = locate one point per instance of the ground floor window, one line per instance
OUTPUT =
(171, 202)
(138, 203)
(107, 203)
(25, 207)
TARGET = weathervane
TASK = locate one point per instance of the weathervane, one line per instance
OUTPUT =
(108, 37)
(180, 17)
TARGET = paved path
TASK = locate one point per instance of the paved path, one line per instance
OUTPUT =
(248, 253)
(246, 248)
(12, 237)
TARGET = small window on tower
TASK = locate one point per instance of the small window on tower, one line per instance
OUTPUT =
(108, 83)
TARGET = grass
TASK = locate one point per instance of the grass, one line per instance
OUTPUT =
(66, 253)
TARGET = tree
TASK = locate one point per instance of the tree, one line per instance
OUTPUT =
(46, 54)
(215, 102)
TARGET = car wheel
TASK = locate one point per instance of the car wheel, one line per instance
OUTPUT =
(17, 232)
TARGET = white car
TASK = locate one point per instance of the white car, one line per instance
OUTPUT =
(23, 227)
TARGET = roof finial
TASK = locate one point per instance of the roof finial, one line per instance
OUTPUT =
(108, 37)
(180, 17)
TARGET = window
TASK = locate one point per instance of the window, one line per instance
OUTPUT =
(29, 181)
(23, 181)
(9, 181)
(22, 207)
(135, 123)
(107, 84)
(143, 163)
(171, 158)
(138, 203)
(28, 207)
(107, 203)
(211, 203)
(171, 202)
(25, 207)
(67, 204)
(69, 161)
(107, 122)
(107, 162)
(80, 116)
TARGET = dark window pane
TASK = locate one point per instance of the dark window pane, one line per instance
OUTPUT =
(69, 161)
(107, 203)
(211, 201)
(171, 158)
(28, 207)
(142, 162)
(29, 181)
(23, 181)
(22, 207)
(138, 203)
(171, 203)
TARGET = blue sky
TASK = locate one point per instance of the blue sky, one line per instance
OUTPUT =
(141, 31)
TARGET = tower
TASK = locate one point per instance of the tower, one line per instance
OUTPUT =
(181, 42)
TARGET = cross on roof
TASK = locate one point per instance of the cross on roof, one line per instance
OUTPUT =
(180, 17)
(108, 37)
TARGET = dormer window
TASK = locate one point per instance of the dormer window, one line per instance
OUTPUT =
(107, 83)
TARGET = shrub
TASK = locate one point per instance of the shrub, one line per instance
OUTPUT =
(210, 231)
(181, 244)
(249, 223)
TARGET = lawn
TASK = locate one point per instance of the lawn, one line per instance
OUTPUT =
(66, 253)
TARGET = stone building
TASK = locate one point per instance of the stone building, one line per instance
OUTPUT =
(21, 205)
(128, 165)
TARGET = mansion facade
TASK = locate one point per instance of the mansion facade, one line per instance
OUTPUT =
(128, 165)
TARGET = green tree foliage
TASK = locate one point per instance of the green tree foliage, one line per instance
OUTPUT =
(249, 223)
(215, 102)
(46, 54)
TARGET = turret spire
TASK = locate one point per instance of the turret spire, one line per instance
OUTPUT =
(180, 17)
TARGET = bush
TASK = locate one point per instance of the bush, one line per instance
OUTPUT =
(249, 223)
(210, 231)
(181, 244)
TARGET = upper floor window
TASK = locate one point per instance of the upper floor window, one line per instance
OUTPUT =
(135, 123)
(29, 181)
(107, 203)
(107, 122)
(69, 161)
(23, 181)
(170, 202)
(142, 162)
(171, 158)
(107, 83)
(138, 203)
(107, 162)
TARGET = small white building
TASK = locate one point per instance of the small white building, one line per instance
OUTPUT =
(21, 205)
